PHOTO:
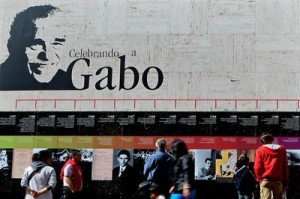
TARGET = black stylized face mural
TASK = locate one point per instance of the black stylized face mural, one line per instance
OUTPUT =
(35, 52)
(44, 55)
(35, 62)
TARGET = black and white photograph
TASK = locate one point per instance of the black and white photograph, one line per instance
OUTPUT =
(205, 164)
(293, 157)
(6, 185)
(124, 174)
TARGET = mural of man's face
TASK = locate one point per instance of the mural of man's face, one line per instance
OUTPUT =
(44, 55)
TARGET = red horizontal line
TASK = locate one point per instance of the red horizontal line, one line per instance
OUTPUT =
(134, 100)
(163, 99)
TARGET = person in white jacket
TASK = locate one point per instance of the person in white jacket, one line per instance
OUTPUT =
(39, 178)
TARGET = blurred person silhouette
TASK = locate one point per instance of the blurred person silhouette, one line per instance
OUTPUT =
(183, 172)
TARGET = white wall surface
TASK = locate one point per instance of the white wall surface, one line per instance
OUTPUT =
(216, 55)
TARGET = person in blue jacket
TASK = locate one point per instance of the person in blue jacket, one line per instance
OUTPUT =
(158, 168)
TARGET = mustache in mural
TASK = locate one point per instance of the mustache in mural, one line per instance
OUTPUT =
(34, 61)
(34, 67)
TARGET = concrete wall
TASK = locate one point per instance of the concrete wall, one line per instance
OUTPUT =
(215, 55)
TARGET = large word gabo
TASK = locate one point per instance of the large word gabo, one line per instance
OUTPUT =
(107, 81)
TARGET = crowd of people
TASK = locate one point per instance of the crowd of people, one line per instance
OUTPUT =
(165, 174)
(270, 172)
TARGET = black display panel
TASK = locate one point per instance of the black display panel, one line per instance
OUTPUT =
(150, 123)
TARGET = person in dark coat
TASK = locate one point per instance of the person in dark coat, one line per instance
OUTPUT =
(125, 176)
(244, 179)
(183, 172)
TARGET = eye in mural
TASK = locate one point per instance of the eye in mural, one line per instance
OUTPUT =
(34, 61)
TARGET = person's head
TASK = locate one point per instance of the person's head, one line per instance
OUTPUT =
(267, 138)
(123, 157)
(242, 161)
(208, 163)
(179, 148)
(244, 152)
(3, 153)
(161, 144)
(76, 155)
(45, 156)
(35, 157)
(32, 33)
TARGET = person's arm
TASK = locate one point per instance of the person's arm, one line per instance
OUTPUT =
(68, 172)
(258, 165)
(186, 190)
(40, 192)
(25, 183)
(187, 176)
(201, 175)
(69, 183)
(24, 180)
(52, 180)
(147, 167)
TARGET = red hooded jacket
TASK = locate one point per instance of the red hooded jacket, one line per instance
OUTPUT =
(271, 163)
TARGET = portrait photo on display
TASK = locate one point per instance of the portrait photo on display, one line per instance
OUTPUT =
(205, 164)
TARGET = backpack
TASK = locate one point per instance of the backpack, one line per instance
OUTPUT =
(245, 180)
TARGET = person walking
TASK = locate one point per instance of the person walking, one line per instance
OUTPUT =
(183, 172)
(39, 178)
(271, 168)
(158, 169)
(72, 176)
